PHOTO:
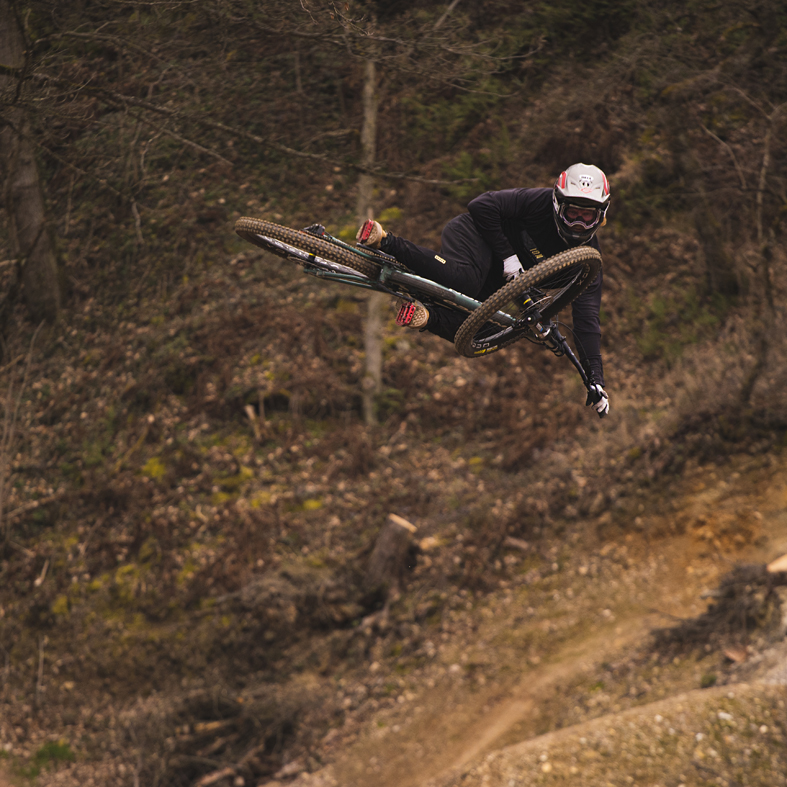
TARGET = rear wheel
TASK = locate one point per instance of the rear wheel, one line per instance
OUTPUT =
(303, 248)
(545, 289)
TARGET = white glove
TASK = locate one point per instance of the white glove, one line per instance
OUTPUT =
(511, 267)
(597, 397)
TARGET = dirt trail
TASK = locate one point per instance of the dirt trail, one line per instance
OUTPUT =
(453, 729)
(483, 735)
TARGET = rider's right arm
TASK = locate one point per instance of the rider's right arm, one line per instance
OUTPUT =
(493, 209)
(587, 329)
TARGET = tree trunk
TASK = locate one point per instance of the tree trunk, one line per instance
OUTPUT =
(373, 328)
(719, 264)
(763, 308)
(31, 242)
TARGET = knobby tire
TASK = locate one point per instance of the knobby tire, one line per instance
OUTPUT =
(256, 230)
(477, 336)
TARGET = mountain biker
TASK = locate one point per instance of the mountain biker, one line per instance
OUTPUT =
(503, 233)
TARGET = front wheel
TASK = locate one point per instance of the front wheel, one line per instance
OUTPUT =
(303, 247)
(544, 290)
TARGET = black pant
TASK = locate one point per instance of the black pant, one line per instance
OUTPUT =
(465, 263)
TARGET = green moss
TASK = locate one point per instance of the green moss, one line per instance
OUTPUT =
(60, 606)
(260, 499)
(154, 468)
(668, 323)
(233, 483)
(390, 215)
(347, 232)
(96, 584)
(51, 753)
(187, 572)
(126, 583)
(150, 551)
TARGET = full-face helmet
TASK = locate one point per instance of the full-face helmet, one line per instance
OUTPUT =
(580, 200)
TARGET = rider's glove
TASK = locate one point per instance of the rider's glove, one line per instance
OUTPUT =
(511, 267)
(597, 397)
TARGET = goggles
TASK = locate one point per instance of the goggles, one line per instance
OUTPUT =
(576, 216)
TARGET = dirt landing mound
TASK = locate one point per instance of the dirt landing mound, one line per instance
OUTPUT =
(727, 735)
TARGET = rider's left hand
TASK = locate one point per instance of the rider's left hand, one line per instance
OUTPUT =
(512, 267)
(597, 397)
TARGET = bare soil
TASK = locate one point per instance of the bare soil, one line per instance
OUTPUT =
(489, 713)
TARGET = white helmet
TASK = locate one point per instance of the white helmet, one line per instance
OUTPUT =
(580, 200)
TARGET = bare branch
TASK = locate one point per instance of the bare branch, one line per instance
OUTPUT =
(243, 134)
(439, 22)
(766, 164)
(114, 40)
(190, 142)
(730, 151)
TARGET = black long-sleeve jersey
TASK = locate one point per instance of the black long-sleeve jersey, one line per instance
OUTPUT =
(502, 217)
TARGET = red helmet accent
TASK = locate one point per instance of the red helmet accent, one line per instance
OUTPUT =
(606, 186)
(561, 181)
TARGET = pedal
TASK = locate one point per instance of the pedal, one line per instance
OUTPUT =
(405, 316)
(366, 231)
(317, 230)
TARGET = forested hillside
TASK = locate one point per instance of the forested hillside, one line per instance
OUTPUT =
(192, 482)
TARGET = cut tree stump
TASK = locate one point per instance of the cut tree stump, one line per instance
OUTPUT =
(388, 561)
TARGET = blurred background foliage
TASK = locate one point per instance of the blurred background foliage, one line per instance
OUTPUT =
(134, 101)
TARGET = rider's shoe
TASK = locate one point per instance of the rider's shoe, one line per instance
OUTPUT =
(371, 234)
(412, 314)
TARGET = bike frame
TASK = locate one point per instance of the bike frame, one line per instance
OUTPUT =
(395, 275)
(544, 332)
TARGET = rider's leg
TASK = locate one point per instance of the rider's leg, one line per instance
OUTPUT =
(464, 262)
(445, 322)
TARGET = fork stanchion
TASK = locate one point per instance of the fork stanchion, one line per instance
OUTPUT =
(569, 353)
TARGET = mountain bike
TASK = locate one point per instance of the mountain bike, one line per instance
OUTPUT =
(525, 308)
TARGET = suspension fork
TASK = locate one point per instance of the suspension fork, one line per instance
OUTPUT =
(569, 353)
(555, 341)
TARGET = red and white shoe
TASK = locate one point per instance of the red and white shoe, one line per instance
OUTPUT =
(412, 315)
(371, 234)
